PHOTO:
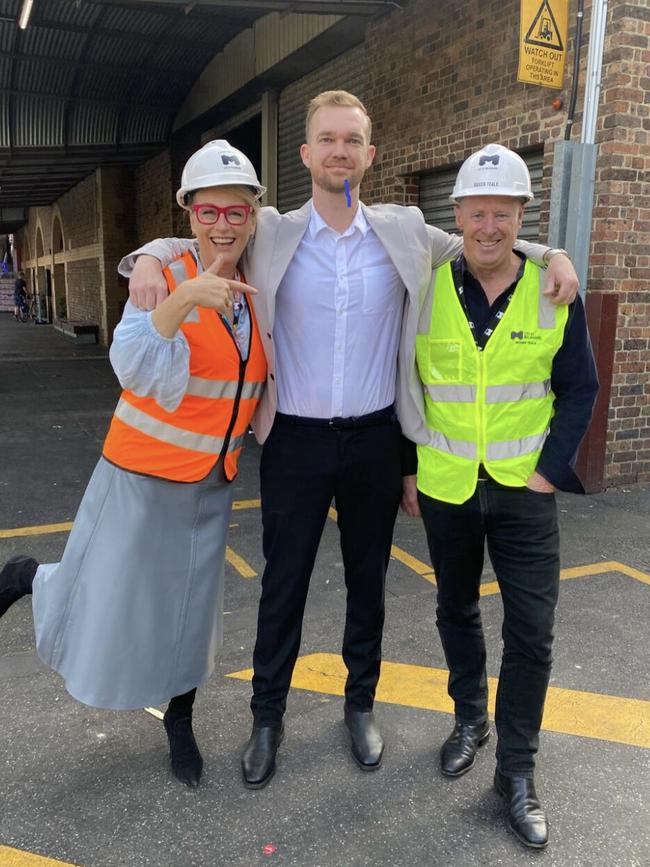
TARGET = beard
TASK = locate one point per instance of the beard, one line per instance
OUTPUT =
(336, 184)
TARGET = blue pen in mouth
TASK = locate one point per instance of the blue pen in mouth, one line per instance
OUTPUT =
(346, 188)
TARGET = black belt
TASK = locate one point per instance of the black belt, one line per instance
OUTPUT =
(381, 416)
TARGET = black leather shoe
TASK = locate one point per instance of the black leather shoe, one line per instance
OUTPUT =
(458, 753)
(258, 759)
(186, 759)
(16, 580)
(367, 742)
(525, 814)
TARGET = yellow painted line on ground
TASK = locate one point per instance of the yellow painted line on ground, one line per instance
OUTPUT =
(44, 529)
(588, 570)
(246, 504)
(16, 858)
(422, 569)
(38, 530)
(585, 714)
(154, 712)
(240, 564)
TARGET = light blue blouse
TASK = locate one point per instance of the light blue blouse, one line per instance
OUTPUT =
(151, 365)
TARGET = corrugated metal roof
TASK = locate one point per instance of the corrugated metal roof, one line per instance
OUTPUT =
(96, 82)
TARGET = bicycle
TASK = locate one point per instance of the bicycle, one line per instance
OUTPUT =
(26, 310)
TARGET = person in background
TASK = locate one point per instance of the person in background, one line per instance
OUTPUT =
(502, 387)
(132, 615)
(20, 297)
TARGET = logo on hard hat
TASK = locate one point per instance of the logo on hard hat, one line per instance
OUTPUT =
(230, 159)
(482, 160)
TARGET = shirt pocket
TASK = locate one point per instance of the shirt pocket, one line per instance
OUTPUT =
(380, 289)
(439, 360)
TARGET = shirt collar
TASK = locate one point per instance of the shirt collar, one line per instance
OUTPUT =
(317, 224)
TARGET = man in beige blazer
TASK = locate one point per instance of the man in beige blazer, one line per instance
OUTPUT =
(336, 280)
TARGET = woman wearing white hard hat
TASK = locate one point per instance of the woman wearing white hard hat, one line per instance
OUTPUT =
(132, 615)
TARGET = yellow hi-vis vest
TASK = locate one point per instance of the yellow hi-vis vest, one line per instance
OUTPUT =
(211, 420)
(491, 407)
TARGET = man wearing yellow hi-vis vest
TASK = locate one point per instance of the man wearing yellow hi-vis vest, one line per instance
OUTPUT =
(502, 385)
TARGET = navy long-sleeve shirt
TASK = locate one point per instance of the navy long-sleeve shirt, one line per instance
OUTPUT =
(574, 381)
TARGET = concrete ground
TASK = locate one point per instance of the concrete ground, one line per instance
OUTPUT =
(93, 788)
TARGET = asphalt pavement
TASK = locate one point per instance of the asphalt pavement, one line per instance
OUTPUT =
(93, 788)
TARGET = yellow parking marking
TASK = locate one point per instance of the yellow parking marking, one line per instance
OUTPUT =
(422, 569)
(417, 566)
(44, 529)
(240, 564)
(246, 504)
(585, 714)
(589, 569)
(154, 712)
(16, 858)
(38, 530)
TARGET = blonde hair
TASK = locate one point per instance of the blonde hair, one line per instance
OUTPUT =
(338, 98)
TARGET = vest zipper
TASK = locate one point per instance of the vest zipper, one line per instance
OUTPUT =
(480, 405)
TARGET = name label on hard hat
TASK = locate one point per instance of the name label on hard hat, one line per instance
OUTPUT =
(543, 30)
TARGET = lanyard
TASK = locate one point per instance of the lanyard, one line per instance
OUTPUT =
(481, 339)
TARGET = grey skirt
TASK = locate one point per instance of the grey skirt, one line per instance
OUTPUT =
(132, 615)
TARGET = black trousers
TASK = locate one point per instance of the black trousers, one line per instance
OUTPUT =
(520, 528)
(303, 468)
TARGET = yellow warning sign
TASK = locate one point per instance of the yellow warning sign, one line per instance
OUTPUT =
(542, 42)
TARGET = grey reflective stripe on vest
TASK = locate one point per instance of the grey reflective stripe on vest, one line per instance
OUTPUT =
(452, 393)
(222, 388)
(515, 448)
(458, 448)
(519, 391)
(179, 272)
(545, 307)
(167, 433)
(236, 442)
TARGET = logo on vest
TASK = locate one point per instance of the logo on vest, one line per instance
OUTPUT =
(525, 338)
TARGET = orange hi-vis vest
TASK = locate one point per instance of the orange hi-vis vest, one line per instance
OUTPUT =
(213, 416)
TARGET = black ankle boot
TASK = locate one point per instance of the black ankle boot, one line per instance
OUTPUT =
(186, 758)
(16, 580)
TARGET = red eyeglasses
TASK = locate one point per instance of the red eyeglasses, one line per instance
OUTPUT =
(208, 215)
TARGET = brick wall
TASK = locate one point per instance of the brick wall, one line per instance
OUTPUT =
(442, 84)
(117, 229)
(153, 199)
(79, 214)
(84, 291)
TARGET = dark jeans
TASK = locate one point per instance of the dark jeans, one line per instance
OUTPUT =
(520, 527)
(303, 467)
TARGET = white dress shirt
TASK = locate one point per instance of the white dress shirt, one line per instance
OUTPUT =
(337, 323)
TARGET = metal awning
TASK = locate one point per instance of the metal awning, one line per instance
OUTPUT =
(99, 82)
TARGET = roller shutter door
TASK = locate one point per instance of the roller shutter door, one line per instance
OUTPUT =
(436, 187)
(347, 72)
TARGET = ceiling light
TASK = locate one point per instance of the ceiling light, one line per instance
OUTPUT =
(25, 12)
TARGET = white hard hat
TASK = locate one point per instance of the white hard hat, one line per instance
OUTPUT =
(217, 164)
(493, 171)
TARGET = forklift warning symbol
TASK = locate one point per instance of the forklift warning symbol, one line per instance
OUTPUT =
(543, 36)
(543, 31)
